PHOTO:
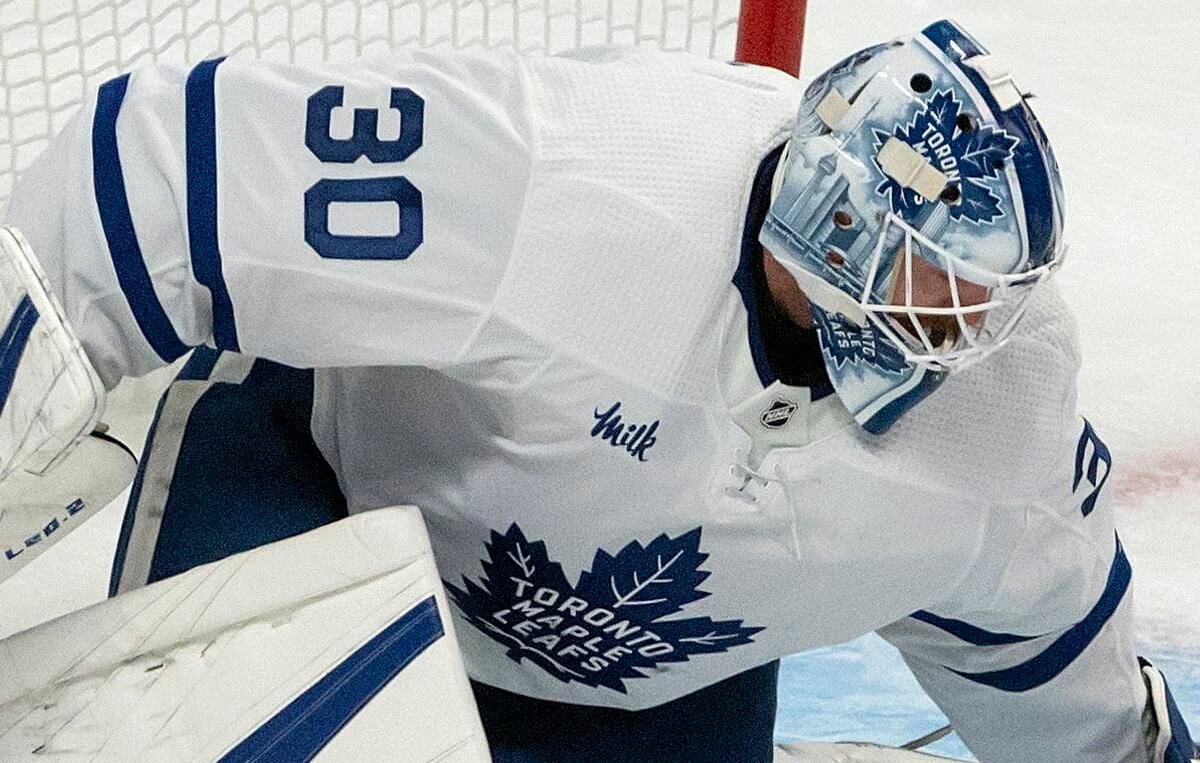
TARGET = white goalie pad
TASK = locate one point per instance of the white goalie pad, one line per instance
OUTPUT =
(38, 510)
(335, 645)
(50, 396)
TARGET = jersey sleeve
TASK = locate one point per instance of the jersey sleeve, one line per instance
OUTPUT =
(1031, 655)
(347, 215)
(1020, 681)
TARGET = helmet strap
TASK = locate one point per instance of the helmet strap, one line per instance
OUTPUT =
(910, 169)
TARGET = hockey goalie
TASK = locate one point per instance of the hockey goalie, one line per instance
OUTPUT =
(687, 367)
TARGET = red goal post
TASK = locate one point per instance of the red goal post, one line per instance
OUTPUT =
(771, 33)
(53, 51)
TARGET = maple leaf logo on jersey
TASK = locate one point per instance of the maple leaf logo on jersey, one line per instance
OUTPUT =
(609, 627)
(968, 157)
(845, 343)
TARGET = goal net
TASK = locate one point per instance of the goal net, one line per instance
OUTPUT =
(52, 51)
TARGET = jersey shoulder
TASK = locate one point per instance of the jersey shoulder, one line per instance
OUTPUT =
(998, 429)
(636, 207)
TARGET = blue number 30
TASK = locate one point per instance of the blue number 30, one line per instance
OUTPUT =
(364, 142)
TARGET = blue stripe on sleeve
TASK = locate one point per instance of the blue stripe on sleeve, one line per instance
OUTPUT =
(12, 344)
(200, 365)
(743, 277)
(125, 535)
(1055, 658)
(969, 633)
(301, 729)
(113, 204)
(202, 199)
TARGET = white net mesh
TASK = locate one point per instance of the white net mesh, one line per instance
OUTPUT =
(51, 51)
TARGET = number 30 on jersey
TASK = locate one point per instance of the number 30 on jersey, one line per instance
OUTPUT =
(364, 142)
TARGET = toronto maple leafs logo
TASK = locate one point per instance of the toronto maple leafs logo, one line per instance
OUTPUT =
(967, 152)
(610, 627)
(845, 343)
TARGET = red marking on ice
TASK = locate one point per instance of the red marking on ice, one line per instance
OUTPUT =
(1158, 472)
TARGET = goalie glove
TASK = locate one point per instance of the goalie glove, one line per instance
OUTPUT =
(1167, 737)
(50, 396)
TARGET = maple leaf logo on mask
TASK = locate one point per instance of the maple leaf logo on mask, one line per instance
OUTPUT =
(969, 157)
(609, 627)
(847, 344)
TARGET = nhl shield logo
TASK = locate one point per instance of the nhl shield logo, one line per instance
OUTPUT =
(778, 414)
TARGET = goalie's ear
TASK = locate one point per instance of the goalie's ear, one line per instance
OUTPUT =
(50, 395)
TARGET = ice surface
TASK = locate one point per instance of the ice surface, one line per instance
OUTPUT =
(1118, 94)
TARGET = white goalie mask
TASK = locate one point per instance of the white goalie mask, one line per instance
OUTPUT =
(918, 206)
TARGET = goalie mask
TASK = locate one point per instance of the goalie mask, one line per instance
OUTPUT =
(918, 206)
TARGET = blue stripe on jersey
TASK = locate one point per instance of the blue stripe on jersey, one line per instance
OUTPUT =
(202, 198)
(113, 204)
(200, 365)
(967, 632)
(300, 730)
(1055, 658)
(135, 493)
(743, 277)
(197, 368)
(12, 344)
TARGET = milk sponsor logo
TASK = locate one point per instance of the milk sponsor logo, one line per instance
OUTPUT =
(635, 438)
(607, 628)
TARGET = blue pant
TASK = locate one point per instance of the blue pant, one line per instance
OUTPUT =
(230, 464)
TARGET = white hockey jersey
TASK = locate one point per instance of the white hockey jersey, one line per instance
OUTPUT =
(529, 284)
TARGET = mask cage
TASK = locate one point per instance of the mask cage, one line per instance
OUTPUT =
(974, 337)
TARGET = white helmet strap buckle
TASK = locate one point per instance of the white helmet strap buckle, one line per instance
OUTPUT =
(910, 169)
(998, 78)
(832, 109)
